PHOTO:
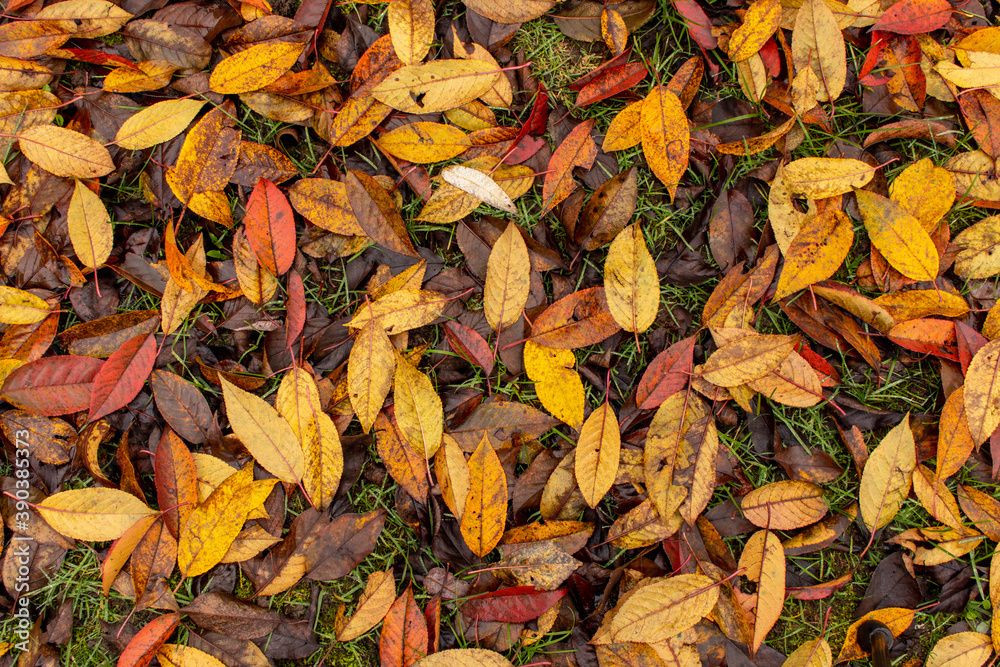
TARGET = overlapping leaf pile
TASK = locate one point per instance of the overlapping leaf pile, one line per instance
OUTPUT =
(407, 243)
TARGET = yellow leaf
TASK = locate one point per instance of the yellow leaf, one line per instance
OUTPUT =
(597, 454)
(510, 11)
(982, 392)
(764, 561)
(64, 152)
(176, 304)
(814, 653)
(418, 409)
(157, 123)
(614, 31)
(962, 649)
(747, 358)
(898, 236)
(508, 273)
(436, 86)
(759, 23)
(663, 609)
(22, 74)
(374, 603)
(401, 311)
(355, 120)
(822, 177)
(323, 460)
(558, 386)
(918, 303)
(89, 227)
(93, 515)
(925, 191)
(453, 475)
(369, 373)
(793, 383)
(298, 399)
(268, 437)
(20, 307)
(424, 142)
(665, 137)
(786, 219)
(144, 77)
(257, 283)
(954, 438)
(631, 284)
(816, 252)
(485, 512)
(753, 78)
(500, 94)
(625, 130)
(466, 657)
(96, 18)
(175, 655)
(936, 498)
(979, 255)
(818, 43)
(784, 505)
(256, 67)
(895, 618)
(324, 203)
(403, 463)
(885, 482)
(411, 25)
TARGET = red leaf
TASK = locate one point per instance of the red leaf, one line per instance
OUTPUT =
(512, 605)
(100, 58)
(772, 59)
(467, 342)
(122, 376)
(611, 82)
(668, 373)
(176, 480)
(969, 342)
(926, 336)
(404, 633)
(912, 17)
(697, 23)
(432, 616)
(270, 227)
(539, 119)
(148, 640)
(620, 59)
(53, 385)
(296, 314)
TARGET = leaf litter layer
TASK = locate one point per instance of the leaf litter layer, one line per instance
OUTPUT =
(475, 333)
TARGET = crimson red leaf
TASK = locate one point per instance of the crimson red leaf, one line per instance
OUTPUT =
(148, 640)
(512, 605)
(122, 376)
(101, 58)
(296, 308)
(611, 82)
(969, 342)
(668, 373)
(270, 227)
(698, 23)
(472, 347)
(913, 17)
(53, 385)
(538, 120)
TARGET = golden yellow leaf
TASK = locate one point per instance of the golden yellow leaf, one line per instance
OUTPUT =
(665, 608)
(176, 304)
(265, 434)
(258, 284)
(925, 191)
(631, 284)
(918, 303)
(500, 94)
(642, 527)
(254, 68)
(298, 399)
(822, 177)
(374, 603)
(814, 653)
(759, 23)
(467, 657)
(144, 77)
(954, 437)
(666, 138)
(324, 203)
(898, 236)
(753, 77)
(93, 515)
(508, 274)
(625, 130)
(784, 505)
(175, 655)
(979, 254)
(401, 311)
(411, 25)
(786, 220)
(355, 120)
(982, 392)
(983, 511)
(157, 123)
(793, 383)
(419, 413)
(597, 454)
(94, 18)
(614, 31)
(936, 498)
(453, 475)
(747, 358)
(895, 618)
(369, 373)
(436, 86)
(89, 227)
(424, 142)
(64, 152)
(764, 561)
(886, 480)
(20, 307)
(816, 252)
(962, 649)
(485, 512)
(818, 44)
(26, 39)
(323, 460)
(558, 386)
(22, 74)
